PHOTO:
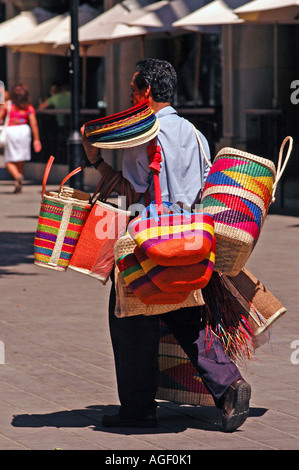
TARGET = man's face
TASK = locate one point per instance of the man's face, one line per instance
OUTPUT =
(136, 95)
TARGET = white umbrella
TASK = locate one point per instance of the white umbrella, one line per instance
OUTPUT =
(41, 38)
(164, 13)
(215, 13)
(22, 23)
(115, 23)
(270, 11)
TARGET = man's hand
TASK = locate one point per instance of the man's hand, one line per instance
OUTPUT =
(91, 152)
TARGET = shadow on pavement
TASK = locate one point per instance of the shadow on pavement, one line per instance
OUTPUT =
(204, 418)
(15, 248)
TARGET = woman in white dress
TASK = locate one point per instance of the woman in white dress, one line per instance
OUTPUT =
(22, 123)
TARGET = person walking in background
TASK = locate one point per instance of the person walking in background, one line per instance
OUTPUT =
(60, 100)
(22, 125)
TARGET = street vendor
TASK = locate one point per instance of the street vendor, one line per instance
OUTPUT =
(135, 339)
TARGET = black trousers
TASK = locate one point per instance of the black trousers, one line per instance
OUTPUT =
(135, 342)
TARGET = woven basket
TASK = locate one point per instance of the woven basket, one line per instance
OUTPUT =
(179, 381)
(238, 192)
(127, 304)
(61, 220)
(261, 306)
(94, 252)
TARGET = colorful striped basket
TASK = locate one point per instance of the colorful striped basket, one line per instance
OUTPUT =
(238, 192)
(128, 128)
(179, 381)
(61, 220)
(128, 304)
(178, 278)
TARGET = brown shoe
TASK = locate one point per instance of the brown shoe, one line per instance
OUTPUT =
(236, 405)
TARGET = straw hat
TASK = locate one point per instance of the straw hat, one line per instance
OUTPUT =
(129, 128)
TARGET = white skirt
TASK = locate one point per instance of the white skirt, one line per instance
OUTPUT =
(18, 143)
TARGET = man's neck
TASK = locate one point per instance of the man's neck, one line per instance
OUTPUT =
(158, 106)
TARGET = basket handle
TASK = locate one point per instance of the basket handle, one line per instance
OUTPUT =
(72, 173)
(202, 148)
(280, 166)
(46, 174)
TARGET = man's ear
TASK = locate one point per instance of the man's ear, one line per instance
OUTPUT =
(147, 92)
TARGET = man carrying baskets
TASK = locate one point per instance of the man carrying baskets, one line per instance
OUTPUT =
(135, 339)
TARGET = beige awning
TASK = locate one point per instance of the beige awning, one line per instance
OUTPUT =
(215, 13)
(164, 13)
(116, 23)
(41, 38)
(270, 11)
(22, 24)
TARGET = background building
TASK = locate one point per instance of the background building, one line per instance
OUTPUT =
(241, 99)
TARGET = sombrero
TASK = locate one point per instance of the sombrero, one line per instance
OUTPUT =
(129, 128)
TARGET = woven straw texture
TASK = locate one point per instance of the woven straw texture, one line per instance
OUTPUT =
(94, 255)
(178, 278)
(262, 307)
(129, 128)
(128, 304)
(174, 239)
(237, 193)
(60, 224)
(179, 381)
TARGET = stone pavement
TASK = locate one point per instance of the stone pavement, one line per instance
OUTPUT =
(57, 377)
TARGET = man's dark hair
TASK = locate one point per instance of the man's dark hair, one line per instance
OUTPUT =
(160, 75)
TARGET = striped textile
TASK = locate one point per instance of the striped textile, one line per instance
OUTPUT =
(182, 278)
(58, 230)
(140, 284)
(174, 239)
(124, 127)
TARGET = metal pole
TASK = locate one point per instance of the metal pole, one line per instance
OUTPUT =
(75, 147)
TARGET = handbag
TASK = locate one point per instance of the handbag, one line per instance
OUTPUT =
(4, 126)
(178, 278)
(106, 223)
(61, 220)
(238, 192)
(137, 280)
(128, 303)
(173, 236)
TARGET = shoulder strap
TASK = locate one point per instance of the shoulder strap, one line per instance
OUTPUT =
(201, 147)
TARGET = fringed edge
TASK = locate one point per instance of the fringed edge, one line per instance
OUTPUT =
(224, 319)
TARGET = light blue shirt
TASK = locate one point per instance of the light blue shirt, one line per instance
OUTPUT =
(183, 168)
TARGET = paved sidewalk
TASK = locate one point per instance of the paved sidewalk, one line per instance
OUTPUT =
(58, 378)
